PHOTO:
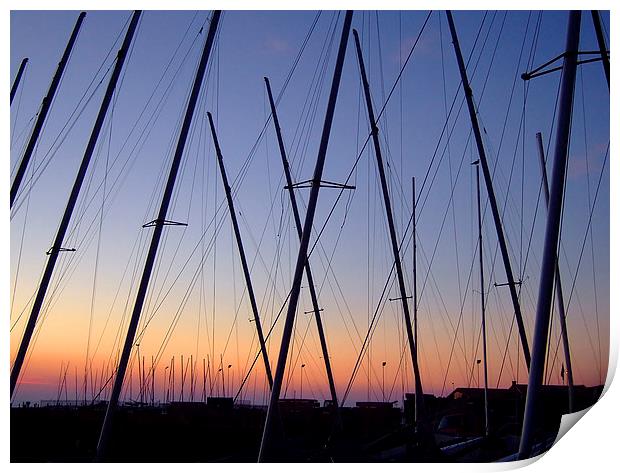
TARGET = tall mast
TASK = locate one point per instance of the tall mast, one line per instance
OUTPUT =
(204, 382)
(57, 247)
(272, 411)
(416, 414)
(140, 383)
(46, 103)
(600, 38)
(210, 377)
(244, 263)
(191, 378)
(182, 379)
(18, 78)
(558, 288)
(143, 388)
(490, 192)
(313, 295)
(222, 371)
(552, 233)
(158, 225)
(482, 306)
(419, 395)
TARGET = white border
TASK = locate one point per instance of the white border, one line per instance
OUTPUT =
(590, 446)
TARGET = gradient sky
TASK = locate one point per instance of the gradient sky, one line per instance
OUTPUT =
(198, 288)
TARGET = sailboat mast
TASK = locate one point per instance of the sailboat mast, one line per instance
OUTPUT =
(210, 378)
(244, 263)
(46, 103)
(140, 383)
(390, 218)
(600, 38)
(222, 371)
(157, 232)
(309, 277)
(558, 288)
(18, 78)
(57, 247)
(204, 381)
(552, 234)
(143, 388)
(302, 256)
(482, 305)
(416, 414)
(490, 192)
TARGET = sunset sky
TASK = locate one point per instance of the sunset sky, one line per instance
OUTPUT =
(196, 304)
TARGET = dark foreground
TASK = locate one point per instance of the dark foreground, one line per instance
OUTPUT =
(218, 431)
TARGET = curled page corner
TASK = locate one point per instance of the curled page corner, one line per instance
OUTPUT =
(511, 462)
(568, 421)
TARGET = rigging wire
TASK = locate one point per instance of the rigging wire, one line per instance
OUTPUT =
(79, 219)
(531, 58)
(585, 138)
(47, 305)
(583, 245)
(151, 121)
(98, 248)
(68, 125)
(245, 165)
